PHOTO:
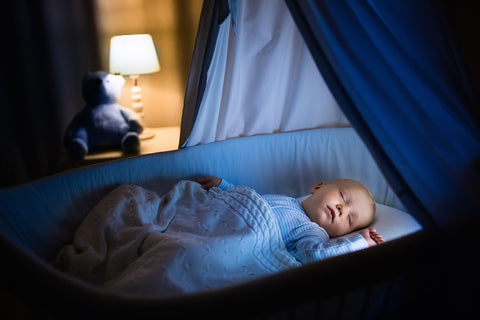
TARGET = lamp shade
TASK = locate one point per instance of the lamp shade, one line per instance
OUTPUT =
(133, 55)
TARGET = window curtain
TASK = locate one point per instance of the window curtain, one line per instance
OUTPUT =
(262, 78)
(48, 46)
(394, 68)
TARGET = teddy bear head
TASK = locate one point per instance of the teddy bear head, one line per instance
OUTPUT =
(101, 87)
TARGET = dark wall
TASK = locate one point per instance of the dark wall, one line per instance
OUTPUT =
(49, 45)
(465, 18)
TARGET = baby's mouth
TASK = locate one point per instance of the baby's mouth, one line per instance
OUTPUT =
(332, 213)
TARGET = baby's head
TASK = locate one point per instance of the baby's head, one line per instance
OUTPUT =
(340, 206)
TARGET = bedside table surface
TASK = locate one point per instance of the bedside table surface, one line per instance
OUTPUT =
(165, 139)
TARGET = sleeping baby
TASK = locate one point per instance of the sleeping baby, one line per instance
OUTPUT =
(197, 237)
(321, 226)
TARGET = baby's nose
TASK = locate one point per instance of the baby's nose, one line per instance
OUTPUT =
(339, 209)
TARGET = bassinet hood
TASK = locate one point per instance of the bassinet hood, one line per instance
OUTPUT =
(391, 68)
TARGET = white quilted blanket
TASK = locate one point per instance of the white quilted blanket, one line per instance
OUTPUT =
(188, 240)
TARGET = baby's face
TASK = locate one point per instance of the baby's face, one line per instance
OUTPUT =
(340, 206)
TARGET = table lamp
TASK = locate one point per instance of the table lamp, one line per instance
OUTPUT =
(134, 55)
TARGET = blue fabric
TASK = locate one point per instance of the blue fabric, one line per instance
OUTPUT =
(394, 69)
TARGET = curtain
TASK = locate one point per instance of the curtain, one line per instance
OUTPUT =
(49, 45)
(395, 70)
(262, 79)
(214, 13)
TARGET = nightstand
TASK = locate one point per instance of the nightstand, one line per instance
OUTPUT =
(165, 139)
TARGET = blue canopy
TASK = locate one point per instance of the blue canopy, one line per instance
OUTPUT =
(395, 71)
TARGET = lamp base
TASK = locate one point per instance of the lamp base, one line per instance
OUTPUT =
(146, 134)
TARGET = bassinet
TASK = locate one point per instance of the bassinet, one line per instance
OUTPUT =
(38, 218)
(408, 275)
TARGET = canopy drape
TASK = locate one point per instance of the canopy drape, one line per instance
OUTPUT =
(395, 71)
(256, 77)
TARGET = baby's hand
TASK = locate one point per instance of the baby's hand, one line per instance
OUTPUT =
(209, 182)
(371, 236)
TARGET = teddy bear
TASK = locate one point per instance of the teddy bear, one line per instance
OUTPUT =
(102, 124)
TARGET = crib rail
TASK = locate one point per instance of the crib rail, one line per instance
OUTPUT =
(379, 282)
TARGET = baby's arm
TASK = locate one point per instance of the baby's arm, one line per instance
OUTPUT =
(316, 245)
(371, 236)
(319, 246)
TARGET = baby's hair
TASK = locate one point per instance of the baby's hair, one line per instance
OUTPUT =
(372, 199)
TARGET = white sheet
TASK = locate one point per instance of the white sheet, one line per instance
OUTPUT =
(263, 79)
(189, 240)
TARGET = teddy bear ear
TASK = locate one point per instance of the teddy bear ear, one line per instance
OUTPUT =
(119, 79)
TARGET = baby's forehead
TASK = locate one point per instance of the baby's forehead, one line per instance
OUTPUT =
(349, 184)
(352, 185)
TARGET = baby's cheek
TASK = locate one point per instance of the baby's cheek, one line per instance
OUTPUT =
(335, 231)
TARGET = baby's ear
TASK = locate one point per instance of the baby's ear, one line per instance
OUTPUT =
(316, 187)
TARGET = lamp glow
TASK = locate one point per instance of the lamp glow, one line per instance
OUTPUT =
(134, 55)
